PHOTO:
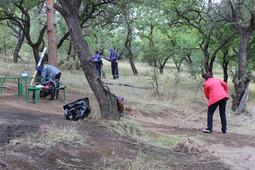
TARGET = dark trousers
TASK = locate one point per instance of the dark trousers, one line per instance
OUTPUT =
(98, 66)
(115, 69)
(53, 89)
(222, 108)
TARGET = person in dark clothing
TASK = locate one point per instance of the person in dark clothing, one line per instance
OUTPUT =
(97, 59)
(216, 91)
(51, 75)
(114, 57)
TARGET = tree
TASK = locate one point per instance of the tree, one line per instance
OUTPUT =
(51, 29)
(18, 13)
(201, 16)
(241, 15)
(107, 100)
(130, 17)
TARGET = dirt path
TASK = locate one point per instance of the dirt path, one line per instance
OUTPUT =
(19, 120)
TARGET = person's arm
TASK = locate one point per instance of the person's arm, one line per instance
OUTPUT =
(117, 56)
(43, 77)
(206, 92)
(224, 85)
(101, 61)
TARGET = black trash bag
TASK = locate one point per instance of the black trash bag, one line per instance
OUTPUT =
(78, 109)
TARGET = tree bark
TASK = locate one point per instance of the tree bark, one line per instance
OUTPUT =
(51, 29)
(107, 100)
(128, 45)
(18, 46)
(241, 79)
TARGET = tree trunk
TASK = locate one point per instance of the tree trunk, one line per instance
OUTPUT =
(36, 54)
(107, 100)
(241, 79)
(132, 64)
(18, 46)
(161, 68)
(225, 63)
(51, 29)
(128, 46)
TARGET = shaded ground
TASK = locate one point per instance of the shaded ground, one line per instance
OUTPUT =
(20, 121)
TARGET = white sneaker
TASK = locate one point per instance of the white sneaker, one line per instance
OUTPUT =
(207, 130)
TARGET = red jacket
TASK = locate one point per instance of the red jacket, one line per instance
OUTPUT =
(215, 90)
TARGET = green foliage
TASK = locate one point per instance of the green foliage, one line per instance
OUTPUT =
(251, 54)
(6, 3)
(171, 39)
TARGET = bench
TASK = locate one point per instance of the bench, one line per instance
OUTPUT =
(1, 88)
(35, 90)
(59, 89)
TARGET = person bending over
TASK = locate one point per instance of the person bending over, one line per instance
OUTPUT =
(216, 91)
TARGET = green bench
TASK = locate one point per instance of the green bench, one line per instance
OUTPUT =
(1, 88)
(61, 88)
(36, 91)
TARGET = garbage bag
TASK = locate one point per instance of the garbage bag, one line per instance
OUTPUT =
(78, 109)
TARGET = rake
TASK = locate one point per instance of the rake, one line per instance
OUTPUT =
(192, 116)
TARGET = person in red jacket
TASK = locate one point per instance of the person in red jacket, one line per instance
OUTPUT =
(216, 91)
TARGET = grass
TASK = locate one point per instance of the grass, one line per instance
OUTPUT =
(51, 135)
(142, 161)
(132, 128)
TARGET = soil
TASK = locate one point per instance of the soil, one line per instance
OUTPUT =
(21, 121)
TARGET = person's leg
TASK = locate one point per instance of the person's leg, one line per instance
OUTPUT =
(210, 112)
(54, 86)
(113, 70)
(52, 93)
(99, 70)
(222, 109)
(117, 71)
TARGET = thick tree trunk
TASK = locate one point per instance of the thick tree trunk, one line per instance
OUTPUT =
(107, 101)
(241, 79)
(51, 29)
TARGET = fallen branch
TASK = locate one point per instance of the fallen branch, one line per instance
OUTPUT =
(128, 85)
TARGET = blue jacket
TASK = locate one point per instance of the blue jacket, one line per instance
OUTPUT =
(49, 72)
(114, 56)
(97, 58)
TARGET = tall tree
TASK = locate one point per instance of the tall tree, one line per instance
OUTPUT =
(107, 100)
(51, 29)
(201, 16)
(241, 15)
(18, 13)
(129, 17)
